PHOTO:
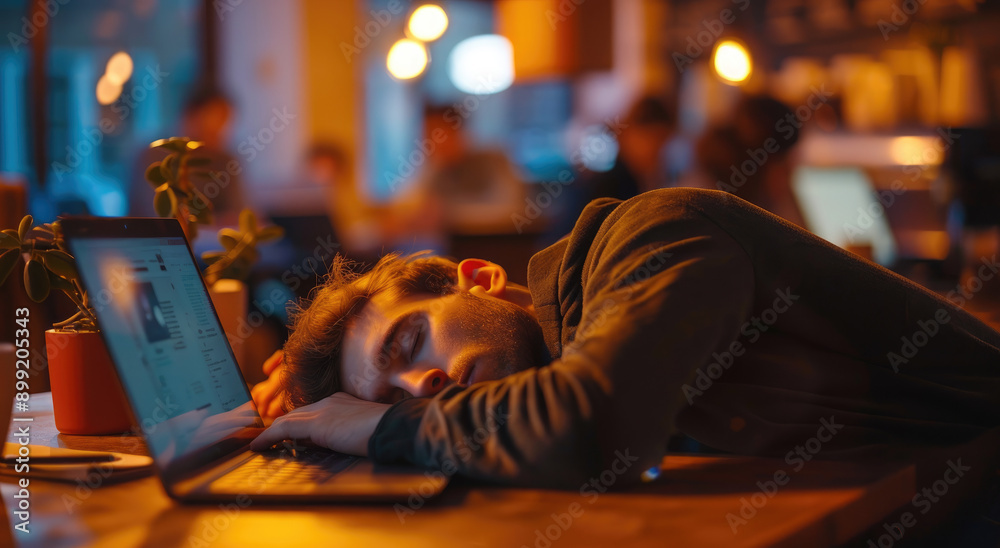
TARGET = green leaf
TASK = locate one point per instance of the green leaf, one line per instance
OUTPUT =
(175, 144)
(248, 221)
(36, 280)
(154, 175)
(162, 202)
(201, 207)
(7, 261)
(168, 167)
(212, 257)
(229, 238)
(8, 241)
(25, 227)
(59, 262)
(60, 283)
(11, 232)
(270, 233)
(173, 201)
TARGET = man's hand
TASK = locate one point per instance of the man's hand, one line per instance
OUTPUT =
(267, 394)
(340, 422)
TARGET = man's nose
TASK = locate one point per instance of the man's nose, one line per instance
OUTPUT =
(422, 382)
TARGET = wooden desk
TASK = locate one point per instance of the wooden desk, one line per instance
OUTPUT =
(825, 503)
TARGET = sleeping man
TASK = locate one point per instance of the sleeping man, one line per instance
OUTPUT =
(680, 315)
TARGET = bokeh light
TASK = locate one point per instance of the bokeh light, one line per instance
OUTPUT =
(107, 91)
(119, 68)
(732, 62)
(407, 59)
(428, 23)
(598, 148)
(914, 151)
(482, 65)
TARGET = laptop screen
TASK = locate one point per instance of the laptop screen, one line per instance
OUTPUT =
(840, 206)
(164, 337)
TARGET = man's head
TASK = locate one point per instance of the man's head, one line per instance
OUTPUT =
(208, 117)
(649, 124)
(410, 326)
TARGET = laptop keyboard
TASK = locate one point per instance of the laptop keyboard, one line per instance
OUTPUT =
(269, 469)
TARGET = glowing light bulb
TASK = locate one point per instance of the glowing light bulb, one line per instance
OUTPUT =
(428, 23)
(107, 91)
(482, 64)
(407, 59)
(119, 68)
(732, 62)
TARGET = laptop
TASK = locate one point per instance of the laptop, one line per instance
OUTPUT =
(185, 389)
(840, 205)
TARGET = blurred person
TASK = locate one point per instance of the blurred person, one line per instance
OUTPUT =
(648, 125)
(976, 203)
(364, 228)
(478, 188)
(680, 312)
(750, 155)
(207, 117)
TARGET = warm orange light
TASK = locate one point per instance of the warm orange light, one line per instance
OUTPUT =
(119, 68)
(915, 151)
(732, 62)
(107, 91)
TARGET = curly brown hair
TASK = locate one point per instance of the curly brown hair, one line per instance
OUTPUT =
(313, 351)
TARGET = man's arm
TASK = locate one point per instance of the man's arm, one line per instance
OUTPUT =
(663, 288)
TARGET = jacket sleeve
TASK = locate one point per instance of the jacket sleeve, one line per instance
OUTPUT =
(663, 288)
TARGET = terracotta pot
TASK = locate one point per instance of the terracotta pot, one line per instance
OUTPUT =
(87, 398)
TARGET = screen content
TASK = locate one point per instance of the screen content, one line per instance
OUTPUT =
(166, 341)
(835, 202)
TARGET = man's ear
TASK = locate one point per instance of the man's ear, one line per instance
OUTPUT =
(479, 276)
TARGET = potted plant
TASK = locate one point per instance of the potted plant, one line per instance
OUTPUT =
(86, 395)
(226, 272)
